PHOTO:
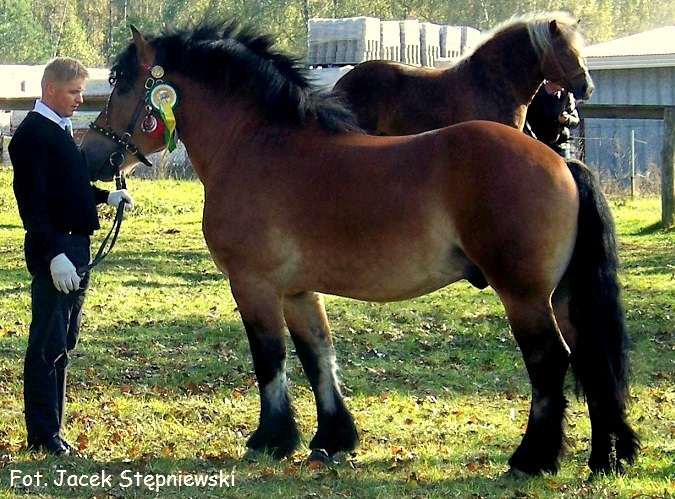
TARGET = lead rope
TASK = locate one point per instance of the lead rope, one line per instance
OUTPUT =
(121, 183)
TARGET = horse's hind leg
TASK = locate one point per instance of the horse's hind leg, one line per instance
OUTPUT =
(306, 319)
(612, 439)
(261, 312)
(546, 358)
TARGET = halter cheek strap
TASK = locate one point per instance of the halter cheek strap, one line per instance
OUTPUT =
(154, 99)
(117, 157)
(565, 79)
(125, 139)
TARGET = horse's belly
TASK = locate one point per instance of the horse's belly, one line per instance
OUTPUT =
(388, 280)
(405, 290)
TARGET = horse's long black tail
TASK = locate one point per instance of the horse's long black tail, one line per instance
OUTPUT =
(595, 306)
(600, 356)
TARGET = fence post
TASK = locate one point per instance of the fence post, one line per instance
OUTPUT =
(668, 167)
(632, 163)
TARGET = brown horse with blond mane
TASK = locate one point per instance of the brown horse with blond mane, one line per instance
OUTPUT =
(297, 204)
(496, 82)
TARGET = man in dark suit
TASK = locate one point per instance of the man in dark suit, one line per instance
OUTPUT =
(550, 116)
(57, 204)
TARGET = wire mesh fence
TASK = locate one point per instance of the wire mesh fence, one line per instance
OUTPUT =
(626, 154)
(168, 165)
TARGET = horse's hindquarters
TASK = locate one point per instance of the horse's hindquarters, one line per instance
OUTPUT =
(514, 204)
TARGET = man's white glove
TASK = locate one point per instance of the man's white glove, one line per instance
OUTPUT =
(64, 274)
(115, 197)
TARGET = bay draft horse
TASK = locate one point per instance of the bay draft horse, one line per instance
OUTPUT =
(297, 204)
(496, 82)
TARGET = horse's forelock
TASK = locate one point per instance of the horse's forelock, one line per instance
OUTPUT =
(538, 27)
(125, 69)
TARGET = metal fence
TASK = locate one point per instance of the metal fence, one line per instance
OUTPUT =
(626, 154)
(167, 165)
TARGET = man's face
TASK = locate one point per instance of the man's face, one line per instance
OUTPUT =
(64, 98)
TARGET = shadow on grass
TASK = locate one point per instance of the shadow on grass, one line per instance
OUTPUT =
(190, 354)
(147, 476)
(655, 228)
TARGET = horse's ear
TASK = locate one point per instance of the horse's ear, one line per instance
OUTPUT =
(141, 45)
(553, 27)
(136, 35)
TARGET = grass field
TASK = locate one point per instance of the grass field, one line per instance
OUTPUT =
(162, 384)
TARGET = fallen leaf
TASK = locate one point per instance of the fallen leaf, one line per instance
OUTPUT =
(82, 441)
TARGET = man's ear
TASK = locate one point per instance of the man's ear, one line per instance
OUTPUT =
(49, 89)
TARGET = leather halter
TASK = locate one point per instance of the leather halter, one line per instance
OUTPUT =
(117, 157)
(565, 79)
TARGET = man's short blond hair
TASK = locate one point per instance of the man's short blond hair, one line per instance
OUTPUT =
(64, 69)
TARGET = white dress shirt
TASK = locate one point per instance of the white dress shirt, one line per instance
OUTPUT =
(48, 112)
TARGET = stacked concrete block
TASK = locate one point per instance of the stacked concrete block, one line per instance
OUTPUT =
(390, 40)
(430, 43)
(339, 42)
(321, 41)
(343, 41)
(410, 42)
(451, 42)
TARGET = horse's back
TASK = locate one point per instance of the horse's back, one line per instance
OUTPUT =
(389, 98)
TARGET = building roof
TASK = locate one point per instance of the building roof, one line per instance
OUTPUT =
(649, 49)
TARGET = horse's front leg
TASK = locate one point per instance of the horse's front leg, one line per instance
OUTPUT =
(261, 312)
(306, 319)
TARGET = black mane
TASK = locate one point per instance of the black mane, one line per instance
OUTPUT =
(236, 58)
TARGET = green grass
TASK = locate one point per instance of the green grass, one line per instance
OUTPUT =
(162, 381)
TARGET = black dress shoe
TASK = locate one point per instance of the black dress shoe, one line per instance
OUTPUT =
(66, 444)
(52, 445)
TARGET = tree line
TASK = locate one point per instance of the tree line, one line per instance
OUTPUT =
(94, 31)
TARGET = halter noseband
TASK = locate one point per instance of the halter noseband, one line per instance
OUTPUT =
(117, 157)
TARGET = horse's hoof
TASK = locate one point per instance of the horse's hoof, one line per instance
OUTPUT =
(516, 473)
(318, 457)
(252, 455)
(617, 470)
